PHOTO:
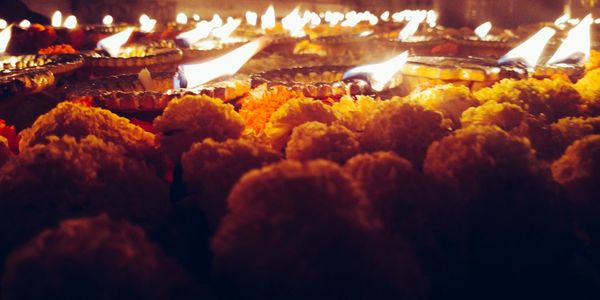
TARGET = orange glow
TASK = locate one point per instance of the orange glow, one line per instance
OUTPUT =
(190, 76)
(577, 44)
(381, 73)
(113, 43)
(529, 52)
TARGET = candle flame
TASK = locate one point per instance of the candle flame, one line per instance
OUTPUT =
(56, 19)
(147, 24)
(113, 43)
(181, 18)
(431, 18)
(315, 19)
(3, 24)
(379, 74)
(267, 20)
(190, 76)
(577, 44)
(5, 35)
(107, 20)
(333, 18)
(216, 21)
(202, 30)
(413, 25)
(226, 30)
(251, 18)
(70, 22)
(482, 30)
(385, 16)
(294, 23)
(25, 24)
(560, 21)
(196, 17)
(529, 52)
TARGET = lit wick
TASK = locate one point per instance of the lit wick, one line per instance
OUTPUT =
(379, 76)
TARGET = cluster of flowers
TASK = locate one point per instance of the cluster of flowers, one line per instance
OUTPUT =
(445, 193)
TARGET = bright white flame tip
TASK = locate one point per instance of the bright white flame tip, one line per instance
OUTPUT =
(70, 22)
(228, 64)
(530, 50)
(202, 30)
(251, 18)
(56, 19)
(380, 74)
(267, 20)
(107, 20)
(5, 35)
(181, 18)
(577, 44)
(482, 30)
(3, 24)
(113, 43)
(25, 24)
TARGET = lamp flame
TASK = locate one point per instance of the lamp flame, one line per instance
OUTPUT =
(181, 18)
(25, 24)
(202, 30)
(267, 20)
(294, 23)
(251, 18)
(5, 35)
(196, 17)
(107, 20)
(226, 30)
(412, 26)
(3, 24)
(147, 24)
(216, 21)
(529, 52)
(562, 20)
(431, 18)
(56, 19)
(70, 22)
(576, 47)
(190, 76)
(380, 74)
(482, 30)
(385, 16)
(113, 43)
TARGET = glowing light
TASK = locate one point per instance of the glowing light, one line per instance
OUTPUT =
(385, 16)
(5, 35)
(226, 30)
(267, 20)
(251, 18)
(529, 52)
(216, 21)
(412, 26)
(25, 24)
(333, 18)
(56, 19)
(107, 20)
(562, 20)
(196, 17)
(202, 30)
(181, 18)
(380, 74)
(113, 43)
(190, 76)
(483, 30)
(294, 23)
(576, 47)
(3, 24)
(147, 24)
(315, 19)
(431, 18)
(70, 22)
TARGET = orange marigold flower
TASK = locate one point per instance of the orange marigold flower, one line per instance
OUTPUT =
(10, 133)
(58, 49)
(261, 102)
